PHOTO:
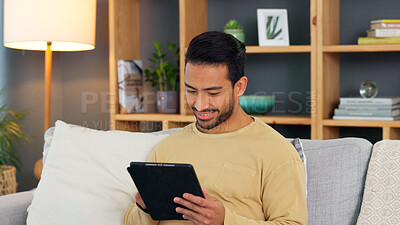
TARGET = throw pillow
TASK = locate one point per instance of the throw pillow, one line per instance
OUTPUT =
(299, 148)
(84, 178)
(381, 201)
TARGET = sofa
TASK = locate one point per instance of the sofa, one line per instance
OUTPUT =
(336, 174)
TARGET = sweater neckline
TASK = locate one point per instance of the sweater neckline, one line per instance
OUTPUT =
(223, 135)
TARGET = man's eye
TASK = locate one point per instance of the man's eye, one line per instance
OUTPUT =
(189, 91)
(214, 94)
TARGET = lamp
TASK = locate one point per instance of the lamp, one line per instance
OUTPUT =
(49, 25)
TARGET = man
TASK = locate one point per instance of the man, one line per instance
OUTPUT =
(249, 172)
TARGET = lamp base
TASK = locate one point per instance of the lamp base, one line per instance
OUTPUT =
(37, 169)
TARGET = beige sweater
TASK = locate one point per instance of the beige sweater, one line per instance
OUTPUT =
(254, 171)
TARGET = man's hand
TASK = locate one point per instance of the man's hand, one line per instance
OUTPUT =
(140, 201)
(202, 211)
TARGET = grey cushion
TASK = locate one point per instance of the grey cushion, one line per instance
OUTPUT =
(336, 175)
(13, 208)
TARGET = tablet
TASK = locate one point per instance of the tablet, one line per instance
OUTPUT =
(159, 183)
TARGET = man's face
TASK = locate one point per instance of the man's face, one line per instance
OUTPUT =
(210, 94)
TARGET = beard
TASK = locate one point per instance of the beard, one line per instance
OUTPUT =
(225, 115)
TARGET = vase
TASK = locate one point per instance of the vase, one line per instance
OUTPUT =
(237, 33)
(8, 180)
(168, 102)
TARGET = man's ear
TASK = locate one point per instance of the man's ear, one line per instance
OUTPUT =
(240, 86)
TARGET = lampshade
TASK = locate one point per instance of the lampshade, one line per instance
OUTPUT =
(70, 25)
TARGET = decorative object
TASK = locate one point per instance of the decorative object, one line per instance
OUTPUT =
(361, 108)
(381, 32)
(130, 85)
(368, 89)
(257, 104)
(384, 28)
(272, 27)
(10, 134)
(8, 180)
(235, 29)
(49, 25)
(166, 77)
(168, 101)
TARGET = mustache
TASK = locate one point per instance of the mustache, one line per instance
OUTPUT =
(205, 110)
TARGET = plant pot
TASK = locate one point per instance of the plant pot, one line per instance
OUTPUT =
(8, 180)
(237, 33)
(168, 102)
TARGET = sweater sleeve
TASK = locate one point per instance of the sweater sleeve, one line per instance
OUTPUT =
(284, 198)
(136, 216)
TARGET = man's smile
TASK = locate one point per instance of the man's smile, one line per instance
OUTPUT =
(204, 115)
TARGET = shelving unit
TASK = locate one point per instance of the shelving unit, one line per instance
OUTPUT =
(324, 51)
(275, 119)
(285, 49)
(328, 74)
(361, 48)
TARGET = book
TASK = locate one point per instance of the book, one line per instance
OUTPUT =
(130, 85)
(385, 26)
(378, 41)
(374, 113)
(369, 101)
(383, 33)
(386, 118)
(369, 107)
(386, 21)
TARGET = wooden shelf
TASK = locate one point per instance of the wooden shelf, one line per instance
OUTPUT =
(361, 48)
(273, 119)
(286, 119)
(278, 49)
(154, 117)
(361, 123)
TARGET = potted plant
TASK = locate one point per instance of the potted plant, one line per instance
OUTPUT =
(235, 29)
(10, 134)
(165, 76)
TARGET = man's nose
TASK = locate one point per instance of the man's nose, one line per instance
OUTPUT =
(202, 102)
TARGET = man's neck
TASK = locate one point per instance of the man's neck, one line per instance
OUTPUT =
(238, 120)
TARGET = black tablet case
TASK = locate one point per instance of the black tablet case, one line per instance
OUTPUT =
(159, 183)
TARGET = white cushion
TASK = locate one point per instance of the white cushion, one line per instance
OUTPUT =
(84, 179)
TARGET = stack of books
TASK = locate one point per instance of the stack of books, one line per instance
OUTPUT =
(368, 109)
(382, 32)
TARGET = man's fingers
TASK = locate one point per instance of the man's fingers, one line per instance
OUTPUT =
(138, 197)
(139, 200)
(188, 204)
(195, 199)
(190, 215)
(199, 210)
(205, 193)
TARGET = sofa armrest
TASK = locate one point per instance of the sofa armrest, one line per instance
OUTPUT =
(13, 208)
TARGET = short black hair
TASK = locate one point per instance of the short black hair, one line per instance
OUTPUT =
(215, 47)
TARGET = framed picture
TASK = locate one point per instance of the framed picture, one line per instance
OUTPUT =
(272, 27)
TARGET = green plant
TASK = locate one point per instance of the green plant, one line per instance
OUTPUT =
(165, 75)
(232, 24)
(10, 134)
(271, 32)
